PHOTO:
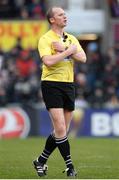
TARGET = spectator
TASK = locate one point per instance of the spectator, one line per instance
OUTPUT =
(38, 10)
(8, 9)
(25, 65)
(112, 102)
(114, 7)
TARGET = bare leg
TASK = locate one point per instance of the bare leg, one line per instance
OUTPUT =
(60, 129)
(61, 120)
(68, 117)
(58, 121)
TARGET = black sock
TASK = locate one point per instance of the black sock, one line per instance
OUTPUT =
(64, 148)
(49, 148)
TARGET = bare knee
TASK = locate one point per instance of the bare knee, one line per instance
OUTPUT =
(58, 120)
(60, 131)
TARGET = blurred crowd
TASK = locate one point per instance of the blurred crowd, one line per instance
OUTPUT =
(22, 9)
(97, 81)
(19, 76)
(114, 8)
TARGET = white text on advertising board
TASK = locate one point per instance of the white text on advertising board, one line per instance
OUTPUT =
(104, 124)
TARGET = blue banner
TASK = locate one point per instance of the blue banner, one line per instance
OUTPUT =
(89, 122)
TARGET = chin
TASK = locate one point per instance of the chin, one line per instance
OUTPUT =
(64, 25)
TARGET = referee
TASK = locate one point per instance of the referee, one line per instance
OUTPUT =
(58, 51)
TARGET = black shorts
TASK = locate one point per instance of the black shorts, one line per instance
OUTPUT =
(58, 94)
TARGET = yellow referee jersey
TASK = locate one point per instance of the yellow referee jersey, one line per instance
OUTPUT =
(63, 70)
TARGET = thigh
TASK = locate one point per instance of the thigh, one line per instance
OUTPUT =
(52, 95)
(69, 97)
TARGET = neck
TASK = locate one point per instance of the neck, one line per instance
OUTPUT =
(58, 30)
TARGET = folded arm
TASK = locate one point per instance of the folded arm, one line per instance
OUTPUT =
(80, 56)
(50, 60)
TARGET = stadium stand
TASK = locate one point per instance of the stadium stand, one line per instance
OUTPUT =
(22, 9)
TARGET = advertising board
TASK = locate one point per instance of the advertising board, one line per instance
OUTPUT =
(28, 31)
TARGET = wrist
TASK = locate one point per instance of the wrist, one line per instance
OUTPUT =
(68, 52)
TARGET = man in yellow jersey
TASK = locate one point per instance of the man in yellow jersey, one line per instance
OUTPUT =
(58, 51)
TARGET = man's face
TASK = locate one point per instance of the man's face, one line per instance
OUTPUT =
(59, 18)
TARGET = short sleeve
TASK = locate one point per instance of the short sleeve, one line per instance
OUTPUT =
(76, 42)
(44, 47)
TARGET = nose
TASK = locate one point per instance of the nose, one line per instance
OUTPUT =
(65, 17)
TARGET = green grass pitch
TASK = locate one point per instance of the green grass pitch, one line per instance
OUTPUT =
(94, 158)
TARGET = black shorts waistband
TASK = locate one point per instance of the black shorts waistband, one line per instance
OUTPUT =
(58, 82)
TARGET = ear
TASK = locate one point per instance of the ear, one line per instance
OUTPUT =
(52, 20)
